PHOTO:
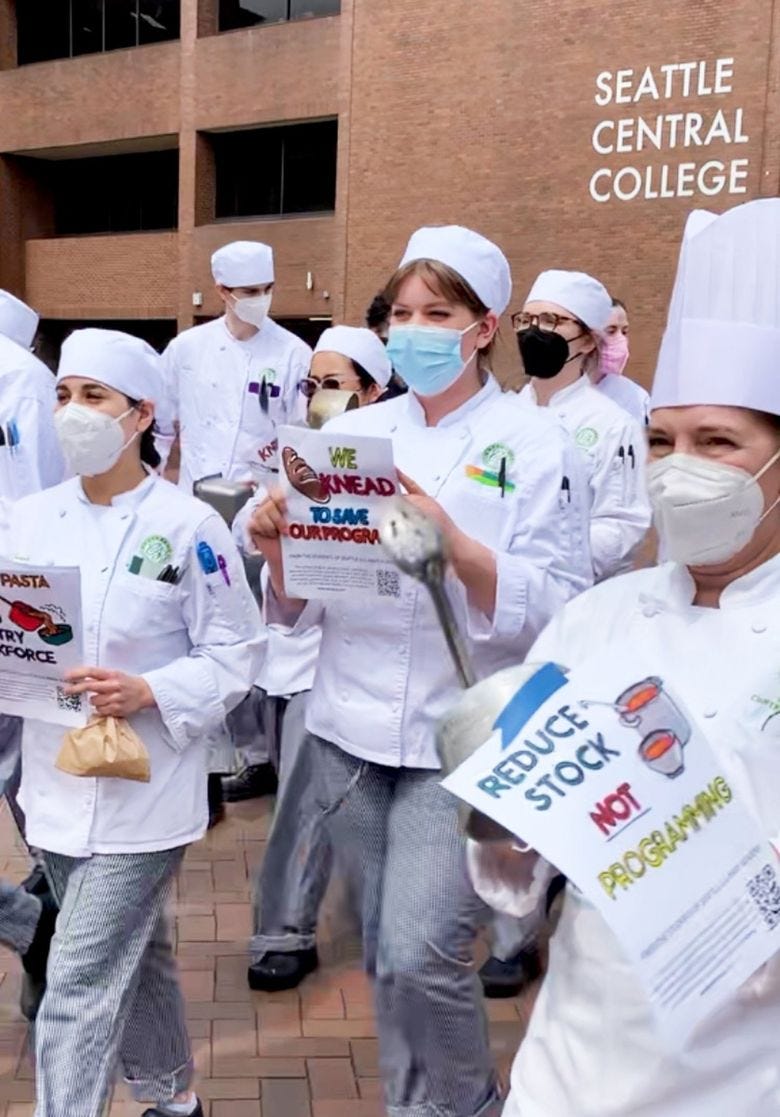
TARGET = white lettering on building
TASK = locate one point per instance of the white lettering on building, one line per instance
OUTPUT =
(700, 169)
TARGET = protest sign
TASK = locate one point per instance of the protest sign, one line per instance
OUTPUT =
(605, 773)
(40, 639)
(338, 488)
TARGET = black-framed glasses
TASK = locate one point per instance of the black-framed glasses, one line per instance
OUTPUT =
(547, 320)
(330, 383)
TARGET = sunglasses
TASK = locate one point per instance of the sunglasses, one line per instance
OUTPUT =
(330, 383)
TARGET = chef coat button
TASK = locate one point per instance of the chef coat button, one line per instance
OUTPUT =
(463, 434)
(63, 513)
(710, 713)
(214, 383)
(104, 570)
(649, 611)
(345, 696)
(758, 628)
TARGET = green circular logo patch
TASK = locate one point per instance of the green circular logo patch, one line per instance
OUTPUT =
(156, 549)
(586, 437)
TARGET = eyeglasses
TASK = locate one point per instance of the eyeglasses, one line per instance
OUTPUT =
(546, 321)
(330, 383)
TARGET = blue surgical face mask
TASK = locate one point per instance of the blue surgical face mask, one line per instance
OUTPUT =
(428, 357)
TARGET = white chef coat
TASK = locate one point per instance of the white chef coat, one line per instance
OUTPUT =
(196, 644)
(614, 447)
(288, 661)
(213, 390)
(626, 393)
(384, 675)
(592, 1047)
(27, 399)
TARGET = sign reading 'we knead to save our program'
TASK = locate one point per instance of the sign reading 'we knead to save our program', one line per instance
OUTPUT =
(338, 489)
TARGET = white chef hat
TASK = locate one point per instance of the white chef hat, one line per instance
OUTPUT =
(580, 294)
(243, 263)
(118, 360)
(722, 339)
(475, 258)
(17, 320)
(361, 345)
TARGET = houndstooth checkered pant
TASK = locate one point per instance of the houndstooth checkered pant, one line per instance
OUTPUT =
(111, 985)
(395, 831)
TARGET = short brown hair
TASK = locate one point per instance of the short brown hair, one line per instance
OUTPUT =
(442, 280)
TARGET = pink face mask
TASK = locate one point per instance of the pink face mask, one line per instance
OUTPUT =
(613, 356)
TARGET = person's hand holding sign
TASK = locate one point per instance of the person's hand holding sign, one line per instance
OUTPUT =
(473, 563)
(112, 693)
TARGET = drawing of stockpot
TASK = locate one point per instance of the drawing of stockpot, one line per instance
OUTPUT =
(647, 707)
(663, 752)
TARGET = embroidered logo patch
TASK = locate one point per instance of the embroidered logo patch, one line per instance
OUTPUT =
(493, 454)
(156, 549)
(586, 437)
(269, 375)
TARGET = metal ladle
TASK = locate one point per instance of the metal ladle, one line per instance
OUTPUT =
(416, 545)
(414, 542)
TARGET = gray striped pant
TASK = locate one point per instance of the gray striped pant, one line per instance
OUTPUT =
(111, 987)
(395, 831)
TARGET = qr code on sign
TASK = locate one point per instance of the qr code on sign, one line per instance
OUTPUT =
(388, 583)
(69, 702)
(764, 889)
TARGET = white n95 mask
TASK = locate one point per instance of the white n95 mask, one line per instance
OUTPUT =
(91, 441)
(253, 311)
(705, 511)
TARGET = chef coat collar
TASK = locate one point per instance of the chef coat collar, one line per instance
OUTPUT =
(131, 499)
(489, 389)
(748, 590)
(563, 395)
(249, 341)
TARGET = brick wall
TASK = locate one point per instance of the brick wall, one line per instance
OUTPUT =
(482, 115)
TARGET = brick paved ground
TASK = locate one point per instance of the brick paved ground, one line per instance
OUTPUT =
(308, 1053)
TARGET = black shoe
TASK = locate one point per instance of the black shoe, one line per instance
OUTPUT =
(250, 783)
(197, 1112)
(216, 800)
(36, 957)
(279, 970)
(507, 979)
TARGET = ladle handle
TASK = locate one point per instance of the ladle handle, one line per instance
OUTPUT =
(452, 634)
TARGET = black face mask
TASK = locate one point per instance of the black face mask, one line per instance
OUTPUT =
(544, 352)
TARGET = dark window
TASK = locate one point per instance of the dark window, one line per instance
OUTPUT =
(272, 171)
(121, 24)
(114, 193)
(49, 29)
(251, 13)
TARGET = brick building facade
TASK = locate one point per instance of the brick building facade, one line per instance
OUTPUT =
(577, 135)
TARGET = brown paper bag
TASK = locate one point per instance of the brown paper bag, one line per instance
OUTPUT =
(105, 747)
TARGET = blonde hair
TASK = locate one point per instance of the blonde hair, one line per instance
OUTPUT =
(442, 280)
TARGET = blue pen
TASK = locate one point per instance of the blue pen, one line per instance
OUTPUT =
(208, 563)
(13, 434)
